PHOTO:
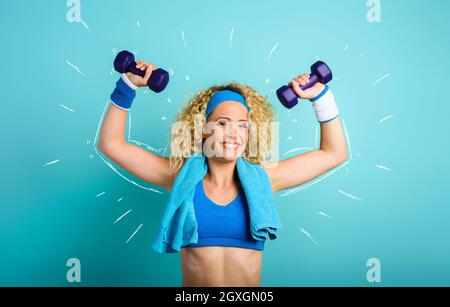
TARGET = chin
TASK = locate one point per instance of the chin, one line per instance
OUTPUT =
(230, 156)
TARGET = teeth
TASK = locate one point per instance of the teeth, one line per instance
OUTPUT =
(231, 145)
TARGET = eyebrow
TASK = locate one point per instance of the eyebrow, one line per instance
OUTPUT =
(230, 118)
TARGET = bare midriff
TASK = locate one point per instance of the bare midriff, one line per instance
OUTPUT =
(220, 266)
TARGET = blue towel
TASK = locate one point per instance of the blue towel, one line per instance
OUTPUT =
(179, 226)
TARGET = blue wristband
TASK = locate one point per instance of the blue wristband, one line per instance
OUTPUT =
(123, 95)
(324, 91)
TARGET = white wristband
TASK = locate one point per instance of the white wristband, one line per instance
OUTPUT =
(128, 82)
(325, 106)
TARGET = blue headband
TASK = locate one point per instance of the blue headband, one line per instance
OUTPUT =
(221, 96)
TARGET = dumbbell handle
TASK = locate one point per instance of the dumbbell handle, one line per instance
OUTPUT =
(135, 71)
(313, 79)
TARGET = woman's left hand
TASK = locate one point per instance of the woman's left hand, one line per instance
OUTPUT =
(309, 93)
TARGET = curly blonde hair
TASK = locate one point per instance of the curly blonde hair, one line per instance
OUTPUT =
(261, 111)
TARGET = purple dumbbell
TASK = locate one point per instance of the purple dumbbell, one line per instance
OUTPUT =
(320, 72)
(124, 62)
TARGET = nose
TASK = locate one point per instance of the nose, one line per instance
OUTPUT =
(232, 132)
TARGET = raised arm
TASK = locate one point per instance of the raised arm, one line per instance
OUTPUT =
(134, 159)
(294, 171)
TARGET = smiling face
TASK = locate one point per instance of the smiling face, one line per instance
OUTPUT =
(226, 131)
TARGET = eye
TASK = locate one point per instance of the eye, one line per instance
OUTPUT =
(244, 125)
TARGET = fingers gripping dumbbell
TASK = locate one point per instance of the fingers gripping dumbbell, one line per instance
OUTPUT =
(124, 62)
(320, 72)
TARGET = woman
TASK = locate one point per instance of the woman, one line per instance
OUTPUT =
(236, 263)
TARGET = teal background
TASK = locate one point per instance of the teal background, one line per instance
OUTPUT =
(50, 214)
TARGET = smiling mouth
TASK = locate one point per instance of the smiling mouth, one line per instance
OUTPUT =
(231, 144)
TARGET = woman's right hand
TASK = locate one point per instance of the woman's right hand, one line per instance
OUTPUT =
(138, 80)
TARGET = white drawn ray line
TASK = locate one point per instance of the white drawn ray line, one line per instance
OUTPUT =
(272, 51)
(385, 118)
(74, 67)
(85, 25)
(381, 79)
(184, 40)
(324, 214)
(123, 215)
(67, 108)
(383, 167)
(51, 162)
(308, 235)
(351, 196)
(139, 227)
(231, 35)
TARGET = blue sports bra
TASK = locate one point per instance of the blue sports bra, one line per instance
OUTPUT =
(223, 225)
